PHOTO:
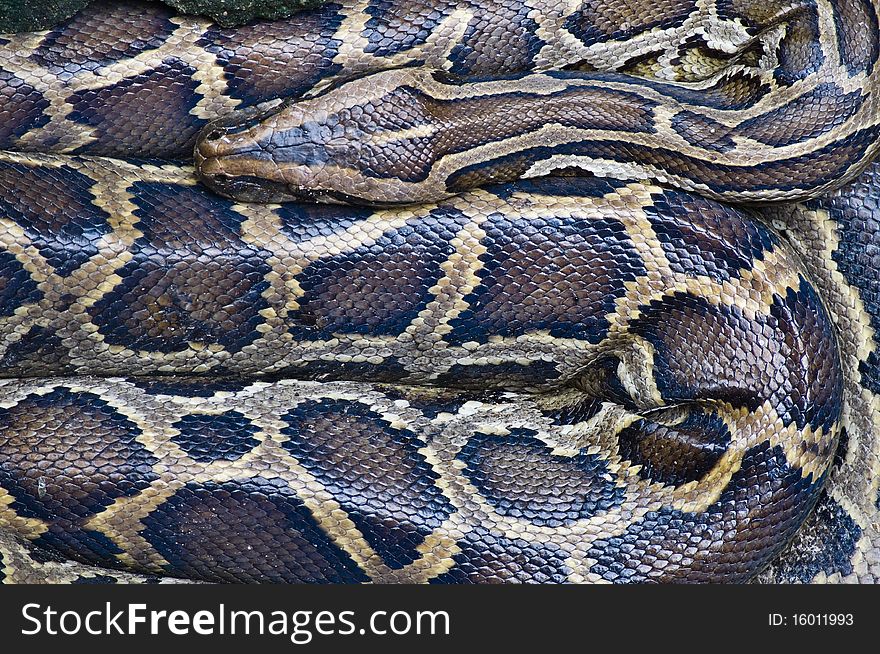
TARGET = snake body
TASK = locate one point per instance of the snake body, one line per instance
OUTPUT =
(605, 375)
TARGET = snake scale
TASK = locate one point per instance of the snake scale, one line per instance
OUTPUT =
(463, 291)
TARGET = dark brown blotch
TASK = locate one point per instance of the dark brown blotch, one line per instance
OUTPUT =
(277, 59)
(702, 131)
(146, 115)
(378, 288)
(500, 38)
(761, 508)
(373, 470)
(521, 478)
(247, 531)
(708, 352)
(66, 455)
(858, 35)
(807, 117)
(703, 237)
(17, 287)
(192, 278)
(511, 375)
(598, 21)
(39, 352)
(486, 557)
(675, 454)
(547, 273)
(395, 27)
(55, 207)
(101, 34)
(21, 108)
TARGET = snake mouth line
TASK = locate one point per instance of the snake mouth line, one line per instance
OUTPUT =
(246, 171)
(256, 189)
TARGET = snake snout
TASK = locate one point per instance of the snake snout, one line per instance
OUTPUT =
(229, 167)
(266, 157)
(229, 157)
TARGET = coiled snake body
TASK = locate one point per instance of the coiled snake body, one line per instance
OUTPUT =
(600, 372)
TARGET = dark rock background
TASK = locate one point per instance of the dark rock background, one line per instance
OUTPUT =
(236, 12)
(25, 15)
(29, 15)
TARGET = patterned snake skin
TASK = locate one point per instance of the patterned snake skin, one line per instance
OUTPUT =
(605, 375)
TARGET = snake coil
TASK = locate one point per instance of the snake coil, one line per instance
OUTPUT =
(463, 291)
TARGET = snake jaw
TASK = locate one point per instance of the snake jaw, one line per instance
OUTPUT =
(268, 156)
(342, 146)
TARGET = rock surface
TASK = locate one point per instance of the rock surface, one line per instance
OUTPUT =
(236, 12)
(26, 15)
(29, 15)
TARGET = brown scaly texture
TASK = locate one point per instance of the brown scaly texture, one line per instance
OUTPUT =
(570, 379)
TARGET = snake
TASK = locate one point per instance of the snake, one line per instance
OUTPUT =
(451, 291)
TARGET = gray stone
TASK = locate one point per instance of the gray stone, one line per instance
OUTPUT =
(30, 15)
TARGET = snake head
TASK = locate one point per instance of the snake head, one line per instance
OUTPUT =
(234, 156)
(355, 143)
